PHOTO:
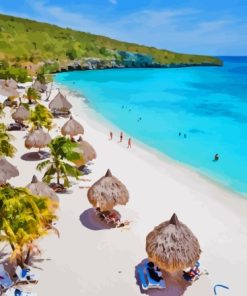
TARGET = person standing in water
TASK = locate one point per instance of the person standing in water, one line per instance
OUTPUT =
(121, 137)
(129, 143)
(111, 135)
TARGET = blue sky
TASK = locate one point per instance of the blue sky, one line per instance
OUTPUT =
(217, 27)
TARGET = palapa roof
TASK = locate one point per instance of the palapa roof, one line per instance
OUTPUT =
(37, 139)
(8, 91)
(108, 192)
(7, 171)
(87, 150)
(60, 103)
(39, 86)
(21, 114)
(172, 246)
(72, 128)
(12, 83)
(42, 189)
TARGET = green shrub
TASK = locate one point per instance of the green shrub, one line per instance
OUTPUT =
(71, 54)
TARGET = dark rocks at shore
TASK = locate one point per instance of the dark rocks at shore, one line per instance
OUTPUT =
(127, 60)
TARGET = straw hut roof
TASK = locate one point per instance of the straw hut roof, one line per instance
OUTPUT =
(12, 83)
(60, 103)
(108, 192)
(8, 91)
(172, 246)
(37, 139)
(7, 171)
(87, 150)
(72, 128)
(39, 86)
(42, 189)
(21, 114)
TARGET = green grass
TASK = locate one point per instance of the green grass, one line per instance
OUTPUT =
(26, 41)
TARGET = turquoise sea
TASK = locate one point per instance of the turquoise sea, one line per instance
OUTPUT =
(207, 104)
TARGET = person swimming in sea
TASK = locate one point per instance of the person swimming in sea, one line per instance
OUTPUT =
(216, 157)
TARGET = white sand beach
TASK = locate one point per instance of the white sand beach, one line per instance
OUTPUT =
(89, 260)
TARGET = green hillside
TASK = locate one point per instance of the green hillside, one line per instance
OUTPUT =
(25, 42)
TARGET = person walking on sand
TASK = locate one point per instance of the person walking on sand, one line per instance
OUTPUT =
(121, 137)
(129, 143)
(111, 135)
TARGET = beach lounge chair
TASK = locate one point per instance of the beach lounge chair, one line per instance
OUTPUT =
(25, 275)
(5, 280)
(110, 217)
(59, 113)
(17, 292)
(145, 279)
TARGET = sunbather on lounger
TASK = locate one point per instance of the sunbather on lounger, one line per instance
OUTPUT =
(153, 273)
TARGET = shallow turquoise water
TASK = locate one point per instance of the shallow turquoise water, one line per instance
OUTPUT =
(208, 104)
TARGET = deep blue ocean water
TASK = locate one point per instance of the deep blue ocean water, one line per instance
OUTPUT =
(207, 104)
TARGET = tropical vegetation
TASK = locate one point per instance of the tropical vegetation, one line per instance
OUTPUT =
(6, 148)
(62, 151)
(41, 117)
(32, 95)
(26, 44)
(24, 218)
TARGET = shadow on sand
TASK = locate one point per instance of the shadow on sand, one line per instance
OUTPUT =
(89, 219)
(175, 284)
(35, 156)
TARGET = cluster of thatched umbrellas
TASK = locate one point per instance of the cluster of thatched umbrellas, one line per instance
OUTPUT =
(171, 246)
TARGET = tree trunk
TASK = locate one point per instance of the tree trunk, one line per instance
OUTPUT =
(29, 101)
(19, 259)
(28, 256)
(58, 177)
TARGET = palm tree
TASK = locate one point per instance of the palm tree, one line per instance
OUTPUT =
(24, 218)
(63, 151)
(32, 95)
(6, 148)
(41, 117)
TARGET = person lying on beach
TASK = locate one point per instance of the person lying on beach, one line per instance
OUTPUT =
(194, 274)
(153, 273)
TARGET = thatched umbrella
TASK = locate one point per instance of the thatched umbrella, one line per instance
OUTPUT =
(108, 192)
(7, 171)
(12, 83)
(8, 91)
(87, 151)
(37, 139)
(60, 103)
(21, 114)
(39, 86)
(42, 189)
(172, 246)
(72, 128)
